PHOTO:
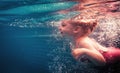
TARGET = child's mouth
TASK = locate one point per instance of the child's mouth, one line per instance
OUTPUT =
(61, 32)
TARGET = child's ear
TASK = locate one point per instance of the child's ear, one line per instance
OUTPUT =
(76, 29)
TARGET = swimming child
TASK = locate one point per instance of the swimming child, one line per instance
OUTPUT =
(86, 48)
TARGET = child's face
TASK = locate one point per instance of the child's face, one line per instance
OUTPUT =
(66, 28)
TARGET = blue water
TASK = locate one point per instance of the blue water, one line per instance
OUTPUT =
(25, 35)
(23, 54)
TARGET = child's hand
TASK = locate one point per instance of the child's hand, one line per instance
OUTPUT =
(78, 52)
(75, 53)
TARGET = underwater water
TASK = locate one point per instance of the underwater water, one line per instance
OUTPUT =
(30, 41)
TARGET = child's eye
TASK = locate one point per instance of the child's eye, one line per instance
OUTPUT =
(63, 25)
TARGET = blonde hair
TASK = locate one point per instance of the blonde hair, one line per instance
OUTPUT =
(86, 24)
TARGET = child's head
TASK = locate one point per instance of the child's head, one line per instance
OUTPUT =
(66, 28)
(74, 27)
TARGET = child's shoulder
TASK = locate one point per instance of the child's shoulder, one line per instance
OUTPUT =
(85, 43)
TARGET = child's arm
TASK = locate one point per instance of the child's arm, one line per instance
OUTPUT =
(93, 55)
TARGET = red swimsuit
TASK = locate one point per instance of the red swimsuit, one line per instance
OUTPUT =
(112, 55)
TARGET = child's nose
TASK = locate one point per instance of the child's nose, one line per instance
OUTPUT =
(59, 27)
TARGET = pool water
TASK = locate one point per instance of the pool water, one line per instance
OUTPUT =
(27, 36)
(30, 42)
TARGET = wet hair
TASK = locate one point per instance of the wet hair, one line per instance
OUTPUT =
(86, 24)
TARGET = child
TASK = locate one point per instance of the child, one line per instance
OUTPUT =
(85, 47)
